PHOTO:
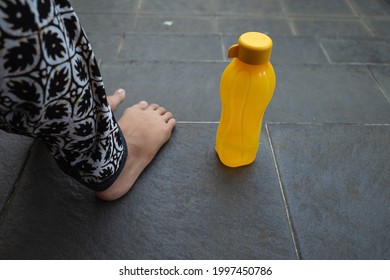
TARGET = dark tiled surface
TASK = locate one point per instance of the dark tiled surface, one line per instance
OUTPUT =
(373, 7)
(380, 27)
(327, 93)
(185, 206)
(382, 74)
(315, 8)
(105, 50)
(13, 152)
(336, 180)
(237, 26)
(249, 7)
(190, 88)
(357, 50)
(175, 24)
(330, 27)
(105, 7)
(199, 7)
(168, 47)
(114, 24)
(288, 50)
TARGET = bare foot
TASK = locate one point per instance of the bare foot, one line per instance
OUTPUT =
(146, 129)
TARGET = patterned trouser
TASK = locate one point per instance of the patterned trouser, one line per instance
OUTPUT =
(51, 89)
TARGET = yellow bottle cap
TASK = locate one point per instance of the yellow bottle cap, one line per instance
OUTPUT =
(252, 48)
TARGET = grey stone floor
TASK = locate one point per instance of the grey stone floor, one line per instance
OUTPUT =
(320, 187)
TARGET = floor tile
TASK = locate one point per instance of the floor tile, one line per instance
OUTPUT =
(170, 47)
(105, 50)
(324, 27)
(13, 152)
(289, 49)
(107, 23)
(237, 26)
(189, 89)
(382, 74)
(175, 24)
(380, 28)
(357, 50)
(326, 93)
(336, 182)
(104, 6)
(203, 7)
(186, 205)
(249, 7)
(373, 7)
(297, 49)
(315, 8)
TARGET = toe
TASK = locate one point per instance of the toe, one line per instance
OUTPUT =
(171, 122)
(161, 110)
(116, 99)
(141, 105)
(153, 106)
(167, 116)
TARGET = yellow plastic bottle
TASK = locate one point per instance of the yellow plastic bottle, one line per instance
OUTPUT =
(246, 88)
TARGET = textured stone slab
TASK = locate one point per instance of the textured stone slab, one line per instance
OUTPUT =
(381, 27)
(104, 24)
(105, 50)
(170, 47)
(382, 74)
(239, 25)
(373, 7)
(357, 50)
(203, 7)
(304, 93)
(14, 150)
(327, 94)
(104, 6)
(186, 205)
(249, 7)
(318, 8)
(335, 27)
(176, 24)
(336, 180)
(189, 89)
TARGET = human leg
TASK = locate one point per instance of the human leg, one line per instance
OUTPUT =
(51, 89)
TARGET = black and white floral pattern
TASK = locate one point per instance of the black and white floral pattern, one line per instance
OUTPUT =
(51, 89)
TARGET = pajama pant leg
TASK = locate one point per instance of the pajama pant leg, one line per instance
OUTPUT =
(51, 89)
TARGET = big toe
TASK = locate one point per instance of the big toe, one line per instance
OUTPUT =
(141, 105)
(116, 99)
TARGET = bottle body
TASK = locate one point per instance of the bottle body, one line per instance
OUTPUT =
(245, 92)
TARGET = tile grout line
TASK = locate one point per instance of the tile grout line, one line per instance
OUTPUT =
(379, 84)
(293, 123)
(324, 50)
(121, 44)
(139, 6)
(297, 253)
(197, 122)
(356, 11)
(288, 18)
(224, 55)
(10, 196)
(137, 14)
(220, 61)
(330, 123)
